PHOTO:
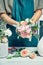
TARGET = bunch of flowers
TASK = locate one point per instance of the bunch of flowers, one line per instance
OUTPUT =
(22, 53)
(26, 31)
(4, 33)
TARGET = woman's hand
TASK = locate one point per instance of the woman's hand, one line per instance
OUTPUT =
(32, 22)
(16, 25)
(36, 16)
(23, 23)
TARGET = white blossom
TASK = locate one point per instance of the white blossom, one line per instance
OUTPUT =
(8, 32)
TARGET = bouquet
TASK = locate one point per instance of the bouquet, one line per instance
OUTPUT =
(26, 31)
(4, 33)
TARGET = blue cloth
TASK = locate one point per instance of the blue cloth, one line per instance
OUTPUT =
(21, 10)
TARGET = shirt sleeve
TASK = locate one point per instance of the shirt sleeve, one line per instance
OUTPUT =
(40, 4)
(2, 8)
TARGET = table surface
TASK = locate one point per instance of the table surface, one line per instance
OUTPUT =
(22, 61)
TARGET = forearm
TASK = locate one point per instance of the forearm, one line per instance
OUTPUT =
(36, 16)
(7, 19)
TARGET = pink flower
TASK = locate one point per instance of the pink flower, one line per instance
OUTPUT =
(29, 36)
(27, 52)
(32, 55)
(24, 52)
(23, 35)
(27, 26)
(28, 29)
(24, 31)
(21, 28)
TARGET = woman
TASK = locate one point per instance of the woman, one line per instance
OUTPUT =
(20, 10)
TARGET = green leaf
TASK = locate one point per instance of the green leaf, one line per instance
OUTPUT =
(35, 27)
(9, 57)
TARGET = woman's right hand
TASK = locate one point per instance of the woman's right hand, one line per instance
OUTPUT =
(23, 23)
(16, 24)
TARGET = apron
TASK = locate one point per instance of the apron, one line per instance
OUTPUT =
(21, 10)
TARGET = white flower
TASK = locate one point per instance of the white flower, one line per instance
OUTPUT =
(27, 20)
(8, 32)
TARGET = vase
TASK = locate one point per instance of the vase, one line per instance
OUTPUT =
(3, 49)
(40, 47)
